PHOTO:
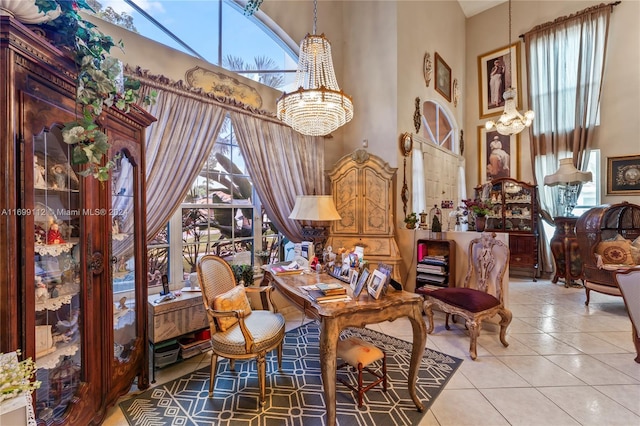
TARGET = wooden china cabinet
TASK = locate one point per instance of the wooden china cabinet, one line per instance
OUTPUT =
(73, 258)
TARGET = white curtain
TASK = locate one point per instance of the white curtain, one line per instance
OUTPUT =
(283, 164)
(565, 65)
(178, 144)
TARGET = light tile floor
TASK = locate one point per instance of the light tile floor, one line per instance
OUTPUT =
(566, 364)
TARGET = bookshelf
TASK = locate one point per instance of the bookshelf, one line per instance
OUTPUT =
(436, 265)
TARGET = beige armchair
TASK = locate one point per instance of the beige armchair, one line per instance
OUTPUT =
(482, 296)
(237, 332)
(629, 283)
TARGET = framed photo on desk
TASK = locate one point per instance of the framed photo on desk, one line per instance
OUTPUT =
(376, 283)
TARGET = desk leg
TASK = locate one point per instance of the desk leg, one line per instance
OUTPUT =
(153, 363)
(329, 333)
(419, 343)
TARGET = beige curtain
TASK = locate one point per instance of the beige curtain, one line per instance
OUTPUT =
(178, 144)
(565, 64)
(282, 164)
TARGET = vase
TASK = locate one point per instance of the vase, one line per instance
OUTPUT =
(481, 222)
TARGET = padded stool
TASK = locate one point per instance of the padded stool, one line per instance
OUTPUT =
(360, 354)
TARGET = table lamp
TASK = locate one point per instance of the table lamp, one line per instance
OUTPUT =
(568, 179)
(315, 208)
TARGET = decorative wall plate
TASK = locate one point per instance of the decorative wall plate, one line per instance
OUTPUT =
(427, 68)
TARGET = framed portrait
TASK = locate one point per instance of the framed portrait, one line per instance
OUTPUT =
(623, 175)
(362, 281)
(498, 155)
(376, 283)
(497, 71)
(443, 78)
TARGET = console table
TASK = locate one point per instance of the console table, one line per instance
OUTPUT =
(337, 316)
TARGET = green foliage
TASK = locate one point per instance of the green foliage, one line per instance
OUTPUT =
(436, 226)
(243, 273)
(411, 219)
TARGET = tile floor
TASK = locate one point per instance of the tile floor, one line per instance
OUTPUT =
(567, 364)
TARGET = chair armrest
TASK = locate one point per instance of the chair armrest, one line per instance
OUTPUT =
(240, 314)
(268, 289)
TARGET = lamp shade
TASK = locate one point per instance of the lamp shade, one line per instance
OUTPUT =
(314, 207)
(567, 174)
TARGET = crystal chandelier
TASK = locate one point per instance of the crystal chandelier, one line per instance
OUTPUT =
(511, 121)
(318, 107)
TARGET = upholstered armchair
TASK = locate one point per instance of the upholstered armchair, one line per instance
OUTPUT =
(482, 296)
(237, 332)
(628, 282)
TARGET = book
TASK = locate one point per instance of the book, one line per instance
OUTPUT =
(291, 268)
(331, 289)
(319, 296)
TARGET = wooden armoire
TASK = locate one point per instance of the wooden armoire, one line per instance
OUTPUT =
(73, 286)
(362, 185)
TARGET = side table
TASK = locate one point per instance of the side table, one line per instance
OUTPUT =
(566, 252)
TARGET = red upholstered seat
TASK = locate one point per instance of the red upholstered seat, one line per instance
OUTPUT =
(466, 298)
(482, 294)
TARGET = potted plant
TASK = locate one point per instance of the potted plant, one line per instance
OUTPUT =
(100, 82)
(411, 220)
(243, 274)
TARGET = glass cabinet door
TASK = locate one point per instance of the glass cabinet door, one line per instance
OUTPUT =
(123, 258)
(58, 277)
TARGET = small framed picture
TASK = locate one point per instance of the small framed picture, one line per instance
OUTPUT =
(376, 284)
(362, 281)
(165, 286)
(623, 175)
(353, 280)
(498, 155)
(443, 78)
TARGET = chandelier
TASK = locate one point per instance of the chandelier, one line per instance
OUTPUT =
(318, 107)
(511, 121)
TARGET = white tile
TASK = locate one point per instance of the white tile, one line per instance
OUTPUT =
(587, 343)
(590, 370)
(527, 406)
(545, 344)
(490, 372)
(465, 408)
(622, 362)
(626, 395)
(539, 371)
(589, 406)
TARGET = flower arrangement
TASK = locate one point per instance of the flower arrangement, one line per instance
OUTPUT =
(100, 82)
(411, 219)
(15, 377)
(479, 207)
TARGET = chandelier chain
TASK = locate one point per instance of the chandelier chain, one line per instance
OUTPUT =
(509, 45)
(315, 15)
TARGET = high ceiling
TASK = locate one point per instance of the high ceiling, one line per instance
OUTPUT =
(473, 7)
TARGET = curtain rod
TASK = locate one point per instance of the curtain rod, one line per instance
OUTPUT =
(564, 18)
(178, 87)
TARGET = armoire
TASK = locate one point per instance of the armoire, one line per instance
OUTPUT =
(73, 290)
(363, 185)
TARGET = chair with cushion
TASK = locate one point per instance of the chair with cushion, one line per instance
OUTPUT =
(629, 283)
(237, 332)
(360, 354)
(482, 296)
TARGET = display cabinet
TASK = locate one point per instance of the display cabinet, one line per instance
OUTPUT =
(73, 287)
(515, 211)
(362, 186)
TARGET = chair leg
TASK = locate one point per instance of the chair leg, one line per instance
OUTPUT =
(446, 321)
(384, 372)
(232, 364)
(506, 317)
(360, 391)
(212, 373)
(429, 312)
(587, 291)
(262, 377)
(280, 355)
(474, 328)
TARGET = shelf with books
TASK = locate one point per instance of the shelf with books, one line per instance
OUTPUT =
(436, 265)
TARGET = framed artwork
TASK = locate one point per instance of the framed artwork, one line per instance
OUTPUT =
(376, 283)
(362, 281)
(498, 155)
(443, 78)
(497, 71)
(623, 175)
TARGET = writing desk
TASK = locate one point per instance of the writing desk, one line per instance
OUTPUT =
(336, 316)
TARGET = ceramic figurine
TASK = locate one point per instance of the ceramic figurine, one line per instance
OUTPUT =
(54, 236)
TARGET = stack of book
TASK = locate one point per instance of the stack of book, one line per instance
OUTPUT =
(328, 293)
(433, 270)
(289, 268)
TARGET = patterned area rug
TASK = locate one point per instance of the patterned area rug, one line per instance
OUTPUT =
(294, 395)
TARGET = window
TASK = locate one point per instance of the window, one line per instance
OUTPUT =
(438, 127)
(590, 193)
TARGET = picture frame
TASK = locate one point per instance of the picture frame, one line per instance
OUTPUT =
(443, 77)
(491, 160)
(491, 101)
(623, 175)
(353, 280)
(362, 281)
(376, 283)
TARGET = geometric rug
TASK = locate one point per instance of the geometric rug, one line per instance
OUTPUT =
(294, 396)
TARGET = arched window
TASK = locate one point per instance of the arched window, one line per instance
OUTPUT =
(438, 127)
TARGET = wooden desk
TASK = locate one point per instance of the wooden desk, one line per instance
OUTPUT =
(336, 316)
